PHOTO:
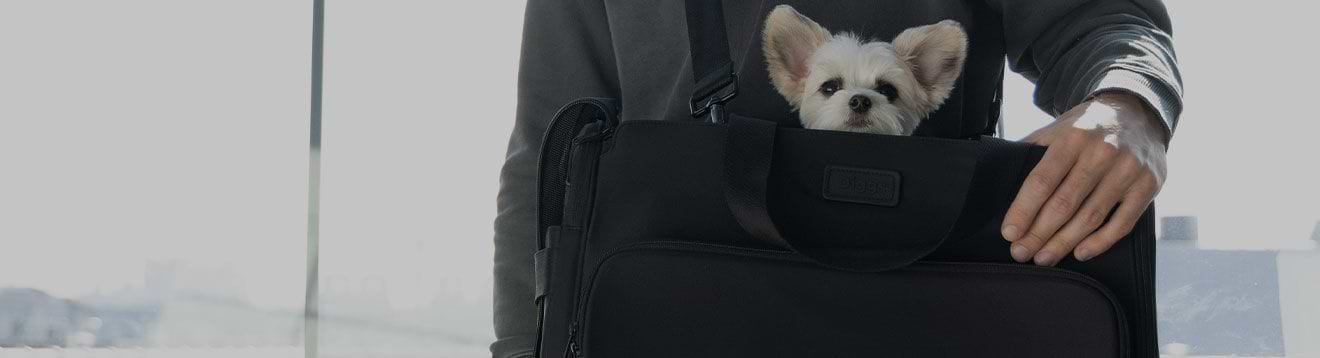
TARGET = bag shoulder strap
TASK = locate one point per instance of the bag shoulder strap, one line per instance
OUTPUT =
(712, 69)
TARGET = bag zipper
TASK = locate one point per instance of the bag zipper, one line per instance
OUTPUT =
(573, 350)
(575, 334)
(576, 213)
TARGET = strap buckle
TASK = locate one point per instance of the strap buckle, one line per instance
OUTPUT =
(710, 93)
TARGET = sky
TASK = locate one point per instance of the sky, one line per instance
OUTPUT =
(164, 130)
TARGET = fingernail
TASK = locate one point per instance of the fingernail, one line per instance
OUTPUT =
(1083, 254)
(1045, 258)
(1010, 233)
(1020, 253)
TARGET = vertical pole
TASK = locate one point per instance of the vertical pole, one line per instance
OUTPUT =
(311, 314)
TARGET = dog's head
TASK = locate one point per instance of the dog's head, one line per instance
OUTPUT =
(840, 82)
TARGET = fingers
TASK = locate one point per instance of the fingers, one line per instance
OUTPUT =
(1092, 213)
(1060, 207)
(1129, 211)
(1038, 187)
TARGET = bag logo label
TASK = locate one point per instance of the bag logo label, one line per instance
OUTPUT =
(861, 185)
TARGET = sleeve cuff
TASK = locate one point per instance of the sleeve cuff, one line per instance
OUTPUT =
(523, 346)
(1159, 98)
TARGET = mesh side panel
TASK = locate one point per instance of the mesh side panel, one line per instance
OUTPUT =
(554, 166)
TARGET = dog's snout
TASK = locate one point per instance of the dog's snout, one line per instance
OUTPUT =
(859, 103)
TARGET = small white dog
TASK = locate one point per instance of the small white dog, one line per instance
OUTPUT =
(839, 82)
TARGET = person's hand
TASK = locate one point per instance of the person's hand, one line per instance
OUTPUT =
(1106, 152)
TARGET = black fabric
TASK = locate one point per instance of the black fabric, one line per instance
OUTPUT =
(587, 116)
(935, 190)
(554, 156)
(647, 254)
(746, 172)
(709, 48)
(638, 53)
(541, 263)
(712, 70)
(711, 301)
(634, 195)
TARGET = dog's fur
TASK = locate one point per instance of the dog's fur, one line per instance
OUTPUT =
(920, 66)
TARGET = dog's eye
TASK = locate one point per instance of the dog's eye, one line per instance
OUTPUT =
(888, 90)
(829, 87)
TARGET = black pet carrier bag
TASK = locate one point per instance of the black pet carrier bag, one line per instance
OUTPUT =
(733, 237)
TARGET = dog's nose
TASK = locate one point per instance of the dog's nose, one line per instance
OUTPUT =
(860, 103)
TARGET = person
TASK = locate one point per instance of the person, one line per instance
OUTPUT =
(1105, 68)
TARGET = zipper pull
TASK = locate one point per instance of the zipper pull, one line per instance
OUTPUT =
(573, 349)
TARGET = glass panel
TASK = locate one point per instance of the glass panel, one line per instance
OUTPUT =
(153, 173)
(1239, 267)
(419, 103)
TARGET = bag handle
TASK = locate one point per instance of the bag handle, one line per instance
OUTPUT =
(712, 69)
(750, 149)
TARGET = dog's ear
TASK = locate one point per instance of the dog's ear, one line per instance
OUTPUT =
(935, 53)
(789, 41)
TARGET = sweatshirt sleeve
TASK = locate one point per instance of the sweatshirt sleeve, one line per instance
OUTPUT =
(1075, 49)
(566, 54)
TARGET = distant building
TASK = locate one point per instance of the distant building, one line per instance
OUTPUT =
(178, 306)
(33, 318)
(1299, 290)
(1235, 302)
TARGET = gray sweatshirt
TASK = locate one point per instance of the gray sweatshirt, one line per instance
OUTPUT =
(637, 51)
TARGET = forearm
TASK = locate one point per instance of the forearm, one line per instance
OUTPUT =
(1123, 58)
(1075, 49)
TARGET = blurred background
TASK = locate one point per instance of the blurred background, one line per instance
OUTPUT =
(154, 178)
